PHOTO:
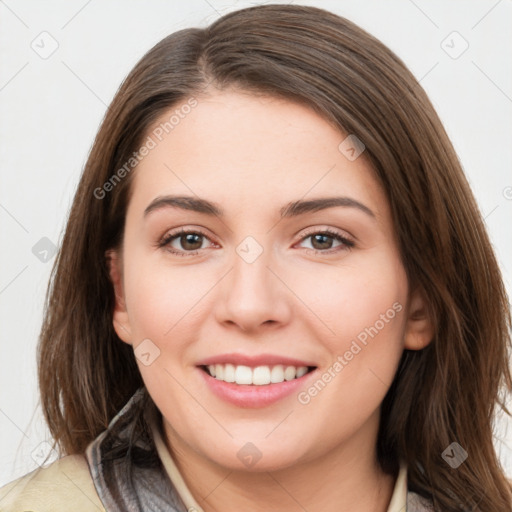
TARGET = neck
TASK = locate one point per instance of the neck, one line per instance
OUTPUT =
(346, 478)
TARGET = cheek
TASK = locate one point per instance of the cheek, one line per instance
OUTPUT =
(349, 301)
(371, 305)
(160, 304)
(364, 309)
(159, 297)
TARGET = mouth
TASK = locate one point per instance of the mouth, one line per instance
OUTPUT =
(256, 376)
(254, 381)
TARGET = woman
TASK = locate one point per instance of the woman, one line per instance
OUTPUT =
(275, 290)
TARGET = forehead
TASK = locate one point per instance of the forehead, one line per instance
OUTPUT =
(240, 149)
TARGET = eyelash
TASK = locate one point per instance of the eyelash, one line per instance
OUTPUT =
(346, 243)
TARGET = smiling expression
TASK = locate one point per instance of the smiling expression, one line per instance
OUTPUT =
(251, 241)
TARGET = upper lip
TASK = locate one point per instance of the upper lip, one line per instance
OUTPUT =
(254, 361)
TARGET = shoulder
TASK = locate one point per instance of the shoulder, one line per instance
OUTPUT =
(53, 488)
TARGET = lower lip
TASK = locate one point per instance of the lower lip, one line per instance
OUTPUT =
(244, 395)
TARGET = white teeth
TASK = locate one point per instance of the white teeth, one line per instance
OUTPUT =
(277, 374)
(301, 370)
(289, 373)
(259, 376)
(229, 373)
(243, 375)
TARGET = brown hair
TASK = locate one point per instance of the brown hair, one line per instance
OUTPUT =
(445, 393)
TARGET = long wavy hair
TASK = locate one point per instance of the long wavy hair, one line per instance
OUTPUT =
(447, 392)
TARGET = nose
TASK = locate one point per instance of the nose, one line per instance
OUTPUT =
(253, 295)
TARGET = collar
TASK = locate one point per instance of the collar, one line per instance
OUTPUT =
(397, 503)
(133, 470)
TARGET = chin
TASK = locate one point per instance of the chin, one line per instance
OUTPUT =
(255, 457)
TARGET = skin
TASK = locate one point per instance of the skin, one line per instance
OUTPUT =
(252, 155)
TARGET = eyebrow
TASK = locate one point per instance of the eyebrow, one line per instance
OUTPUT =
(292, 209)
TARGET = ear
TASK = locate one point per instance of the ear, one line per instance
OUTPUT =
(419, 329)
(120, 318)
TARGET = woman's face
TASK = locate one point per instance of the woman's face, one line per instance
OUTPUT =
(262, 284)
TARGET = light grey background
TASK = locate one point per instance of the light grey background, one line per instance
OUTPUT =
(51, 107)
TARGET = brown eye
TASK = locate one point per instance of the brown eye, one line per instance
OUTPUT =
(323, 241)
(191, 241)
(183, 243)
